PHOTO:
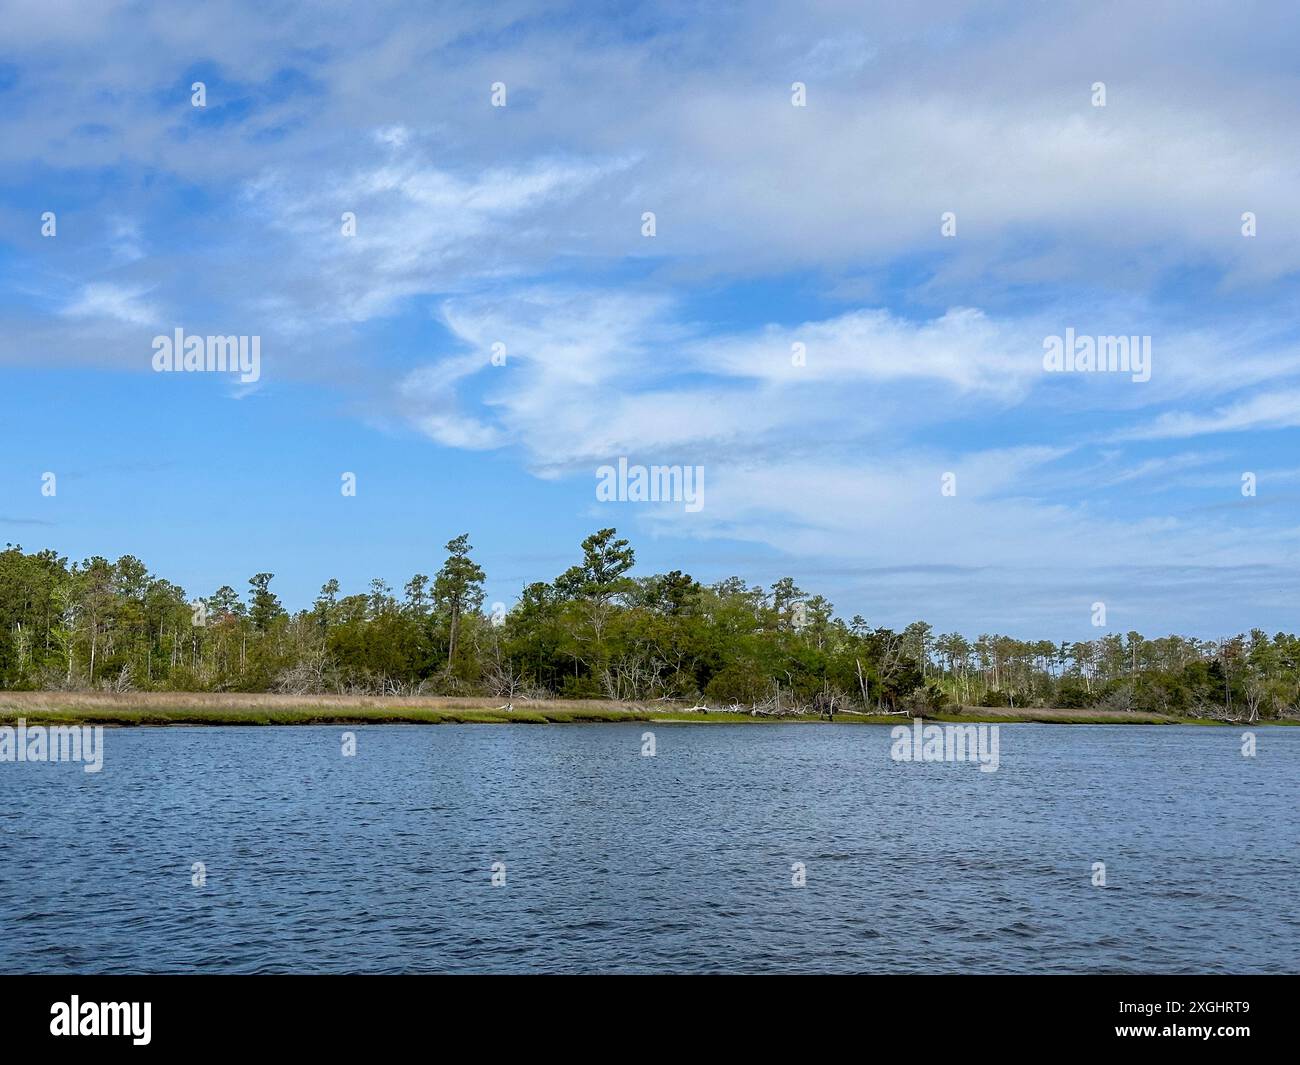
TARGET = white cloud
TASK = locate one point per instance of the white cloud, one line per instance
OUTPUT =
(106, 300)
(590, 375)
(420, 229)
(428, 395)
(962, 348)
(1270, 410)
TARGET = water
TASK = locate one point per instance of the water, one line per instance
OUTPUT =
(617, 862)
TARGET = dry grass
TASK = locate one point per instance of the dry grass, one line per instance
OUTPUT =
(262, 700)
(234, 708)
(1057, 716)
(231, 708)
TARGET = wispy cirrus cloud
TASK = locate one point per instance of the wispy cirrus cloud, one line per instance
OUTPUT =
(124, 303)
(1272, 410)
(418, 229)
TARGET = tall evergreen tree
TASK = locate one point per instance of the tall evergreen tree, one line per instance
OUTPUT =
(458, 587)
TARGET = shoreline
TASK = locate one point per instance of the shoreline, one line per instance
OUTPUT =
(181, 709)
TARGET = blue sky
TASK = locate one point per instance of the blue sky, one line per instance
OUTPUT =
(775, 225)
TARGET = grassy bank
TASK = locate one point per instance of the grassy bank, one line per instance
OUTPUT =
(202, 708)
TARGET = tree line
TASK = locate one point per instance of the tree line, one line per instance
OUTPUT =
(595, 631)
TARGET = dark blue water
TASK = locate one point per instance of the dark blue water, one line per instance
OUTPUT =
(617, 862)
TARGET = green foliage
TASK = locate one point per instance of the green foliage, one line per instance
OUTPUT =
(595, 631)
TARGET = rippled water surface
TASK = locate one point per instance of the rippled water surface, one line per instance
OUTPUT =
(617, 862)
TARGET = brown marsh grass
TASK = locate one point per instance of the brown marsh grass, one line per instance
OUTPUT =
(237, 708)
